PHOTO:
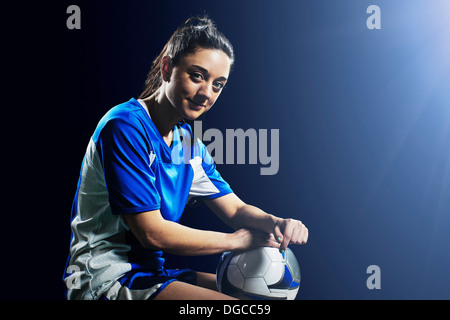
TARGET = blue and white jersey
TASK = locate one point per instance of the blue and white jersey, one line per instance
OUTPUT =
(128, 168)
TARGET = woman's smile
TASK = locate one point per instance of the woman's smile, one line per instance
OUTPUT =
(195, 106)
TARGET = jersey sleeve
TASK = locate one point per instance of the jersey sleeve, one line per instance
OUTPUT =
(207, 182)
(127, 156)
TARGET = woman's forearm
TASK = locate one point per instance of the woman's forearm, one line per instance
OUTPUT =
(248, 216)
(181, 240)
(237, 214)
(154, 232)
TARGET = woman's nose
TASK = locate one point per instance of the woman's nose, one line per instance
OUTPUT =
(205, 91)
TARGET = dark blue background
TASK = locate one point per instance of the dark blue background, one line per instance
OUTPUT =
(364, 120)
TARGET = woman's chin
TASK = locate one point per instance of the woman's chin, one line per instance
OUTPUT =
(192, 115)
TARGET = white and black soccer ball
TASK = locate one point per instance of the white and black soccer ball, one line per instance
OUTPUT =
(261, 273)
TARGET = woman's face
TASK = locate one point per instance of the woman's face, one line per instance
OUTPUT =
(197, 81)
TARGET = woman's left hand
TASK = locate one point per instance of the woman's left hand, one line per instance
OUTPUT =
(290, 231)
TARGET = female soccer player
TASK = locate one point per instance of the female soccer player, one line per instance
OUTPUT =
(141, 168)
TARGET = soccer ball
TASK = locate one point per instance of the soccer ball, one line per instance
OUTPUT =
(261, 273)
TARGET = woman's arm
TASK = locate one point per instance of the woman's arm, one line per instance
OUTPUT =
(154, 232)
(238, 214)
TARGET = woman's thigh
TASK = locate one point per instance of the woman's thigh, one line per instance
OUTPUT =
(207, 280)
(178, 290)
(205, 289)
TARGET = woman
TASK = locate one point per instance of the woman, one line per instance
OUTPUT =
(132, 191)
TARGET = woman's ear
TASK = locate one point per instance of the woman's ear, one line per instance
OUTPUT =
(166, 68)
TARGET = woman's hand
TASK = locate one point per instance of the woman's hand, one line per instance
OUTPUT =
(275, 232)
(251, 238)
(285, 232)
(290, 231)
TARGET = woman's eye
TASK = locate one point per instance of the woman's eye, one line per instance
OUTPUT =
(218, 85)
(197, 76)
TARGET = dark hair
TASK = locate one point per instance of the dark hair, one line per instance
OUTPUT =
(197, 32)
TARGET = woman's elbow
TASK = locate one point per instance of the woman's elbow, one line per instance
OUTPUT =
(149, 241)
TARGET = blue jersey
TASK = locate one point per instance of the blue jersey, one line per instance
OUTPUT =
(128, 168)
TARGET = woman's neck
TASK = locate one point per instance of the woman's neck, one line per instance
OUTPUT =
(163, 115)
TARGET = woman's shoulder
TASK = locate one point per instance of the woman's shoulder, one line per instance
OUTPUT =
(124, 117)
(128, 110)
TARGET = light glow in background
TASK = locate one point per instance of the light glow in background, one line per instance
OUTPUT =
(364, 119)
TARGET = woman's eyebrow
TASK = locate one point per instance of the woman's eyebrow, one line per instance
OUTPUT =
(207, 72)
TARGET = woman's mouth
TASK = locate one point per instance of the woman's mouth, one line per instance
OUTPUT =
(195, 106)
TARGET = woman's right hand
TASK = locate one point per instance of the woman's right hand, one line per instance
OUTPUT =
(251, 238)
